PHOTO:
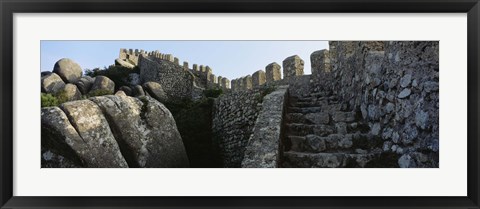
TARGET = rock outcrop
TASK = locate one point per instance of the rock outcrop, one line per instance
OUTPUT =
(145, 130)
(111, 131)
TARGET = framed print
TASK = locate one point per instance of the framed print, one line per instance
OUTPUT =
(185, 104)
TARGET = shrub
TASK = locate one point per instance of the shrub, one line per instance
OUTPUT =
(99, 92)
(48, 100)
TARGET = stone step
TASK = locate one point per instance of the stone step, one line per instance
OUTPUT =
(304, 109)
(348, 143)
(292, 159)
(296, 118)
(340, 116)
(301, 129)
(309, 104)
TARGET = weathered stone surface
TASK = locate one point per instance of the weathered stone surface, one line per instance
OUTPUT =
(263, 146)
(71, 92)
(273, 72)
(52, 83)
(68, 70)
(406, 80)
(94, 130)
(176, 83)
(59, 138)
(406, 161)
(421, 119)
(103, 83)
(120, 93)
(320, 61)
(315, 143)
(127, 90)
(84, 84)
(123, 63)
(293, 66)
(145, 130)
(318, 118)
(404, 93)
(134, 79)
(258, 78)
(72, 142)
(247, 82)
(225, 84)
(234, 117)
(138, 91)
(343, 116)
(53, 160)
(155, 90)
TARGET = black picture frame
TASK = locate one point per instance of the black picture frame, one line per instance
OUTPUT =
(9, 7)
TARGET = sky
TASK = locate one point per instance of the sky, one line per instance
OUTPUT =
(231, 59)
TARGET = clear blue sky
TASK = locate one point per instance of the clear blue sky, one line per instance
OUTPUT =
(231, 59)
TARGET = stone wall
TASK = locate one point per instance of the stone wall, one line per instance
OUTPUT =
(177, 83)
(264, 146)
(395, 87)
(234, 117)
(203, 75)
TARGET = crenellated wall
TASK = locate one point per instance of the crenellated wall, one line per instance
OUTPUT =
(203, 75)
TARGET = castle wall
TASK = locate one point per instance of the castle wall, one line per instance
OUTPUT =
(177, 83)
(204, 77)
(395, 87)
(234, 117)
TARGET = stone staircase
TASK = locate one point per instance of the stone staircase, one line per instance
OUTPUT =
(321, 132)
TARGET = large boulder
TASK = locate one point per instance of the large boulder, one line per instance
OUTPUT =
(52, 83)
(103, 84)
(68, 70)
(87, 142)
(95, 133)
(138, 91)
(155, 90)
(70, 92)
(84, 84)
(146, 130)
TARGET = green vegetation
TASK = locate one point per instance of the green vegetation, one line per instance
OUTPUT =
(213, 93)
(48, 100)
(118, 74)
(98, 92)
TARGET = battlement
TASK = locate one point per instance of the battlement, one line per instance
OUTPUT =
(204, 73)
(292, 67)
